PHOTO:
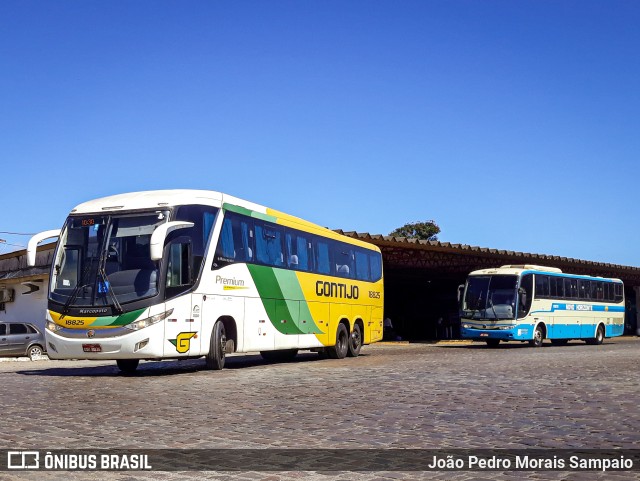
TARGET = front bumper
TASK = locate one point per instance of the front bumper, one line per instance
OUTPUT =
(521, 332)
(145, 343)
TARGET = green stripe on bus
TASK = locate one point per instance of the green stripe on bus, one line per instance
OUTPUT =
(250, 213)
(121, 320)
(291, 289)
(272, 298)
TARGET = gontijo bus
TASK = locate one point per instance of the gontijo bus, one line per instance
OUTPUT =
(186, 273)
(531, 303)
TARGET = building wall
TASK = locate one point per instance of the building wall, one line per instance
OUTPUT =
(29, 307)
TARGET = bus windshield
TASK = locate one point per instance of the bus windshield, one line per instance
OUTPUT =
(106, 260)
(490, 297)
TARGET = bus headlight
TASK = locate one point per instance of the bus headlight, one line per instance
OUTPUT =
(52, 326)
(467, 326)
(142, 323)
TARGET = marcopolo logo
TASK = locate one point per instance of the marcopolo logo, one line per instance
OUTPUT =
(93, 311)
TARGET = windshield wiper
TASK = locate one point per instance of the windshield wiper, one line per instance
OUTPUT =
(76, 290)
(495, 315)
(103, 275)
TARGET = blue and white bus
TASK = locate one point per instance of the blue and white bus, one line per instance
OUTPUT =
(533, 303)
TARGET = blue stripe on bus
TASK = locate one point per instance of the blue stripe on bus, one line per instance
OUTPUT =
(577, 307)
(524, 332)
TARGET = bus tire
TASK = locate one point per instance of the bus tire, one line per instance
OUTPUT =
(339, 351)
(355, 341)
(492, 342)
(538, 337)
(596, 341)
(128, 366)
(216, 356)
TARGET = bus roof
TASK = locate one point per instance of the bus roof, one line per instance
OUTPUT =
(522, 268)
(159, 199)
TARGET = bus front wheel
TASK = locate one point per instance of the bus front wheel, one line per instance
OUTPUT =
(215, 358)
(127, 366)
(538, 336)
(493, 342)
(339, 351)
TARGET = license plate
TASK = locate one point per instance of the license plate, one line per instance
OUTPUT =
(484, 334)
(92, 348)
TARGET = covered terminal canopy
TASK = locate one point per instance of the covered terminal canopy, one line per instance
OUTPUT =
(422, 278)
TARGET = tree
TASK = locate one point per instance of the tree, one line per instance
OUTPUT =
(427, 230)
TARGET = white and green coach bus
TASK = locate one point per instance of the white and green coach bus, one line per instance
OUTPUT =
(187, 273)
(533, 303)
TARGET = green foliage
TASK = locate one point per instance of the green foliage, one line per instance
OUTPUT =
(427, 230)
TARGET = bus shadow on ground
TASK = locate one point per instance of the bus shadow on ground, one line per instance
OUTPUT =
(514, 345)
(170, 367)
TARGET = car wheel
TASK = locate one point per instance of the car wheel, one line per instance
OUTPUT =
(34, 351)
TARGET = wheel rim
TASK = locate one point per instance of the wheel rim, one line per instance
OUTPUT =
(35, 351)
(356, 339)
(538, 336)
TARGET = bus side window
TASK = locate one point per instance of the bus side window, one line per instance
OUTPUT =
(269, 248)
(179, 274)
(362, 265)
(584, 289)
(343, 257)
(524, 295)
(297, 250)
(375, 262)
(542, 286)
(322, 262)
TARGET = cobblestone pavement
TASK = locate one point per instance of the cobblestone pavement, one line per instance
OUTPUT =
(445, 395)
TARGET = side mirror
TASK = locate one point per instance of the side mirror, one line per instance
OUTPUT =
(522, 294)
(32, 246)
(160, 234)
(460, 292)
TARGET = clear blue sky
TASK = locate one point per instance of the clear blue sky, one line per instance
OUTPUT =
(512, 124)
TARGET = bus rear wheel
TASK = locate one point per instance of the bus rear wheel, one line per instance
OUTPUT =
(596, 341)
(127, 365)
(339, 351)
(216, 356)
(355, 341)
